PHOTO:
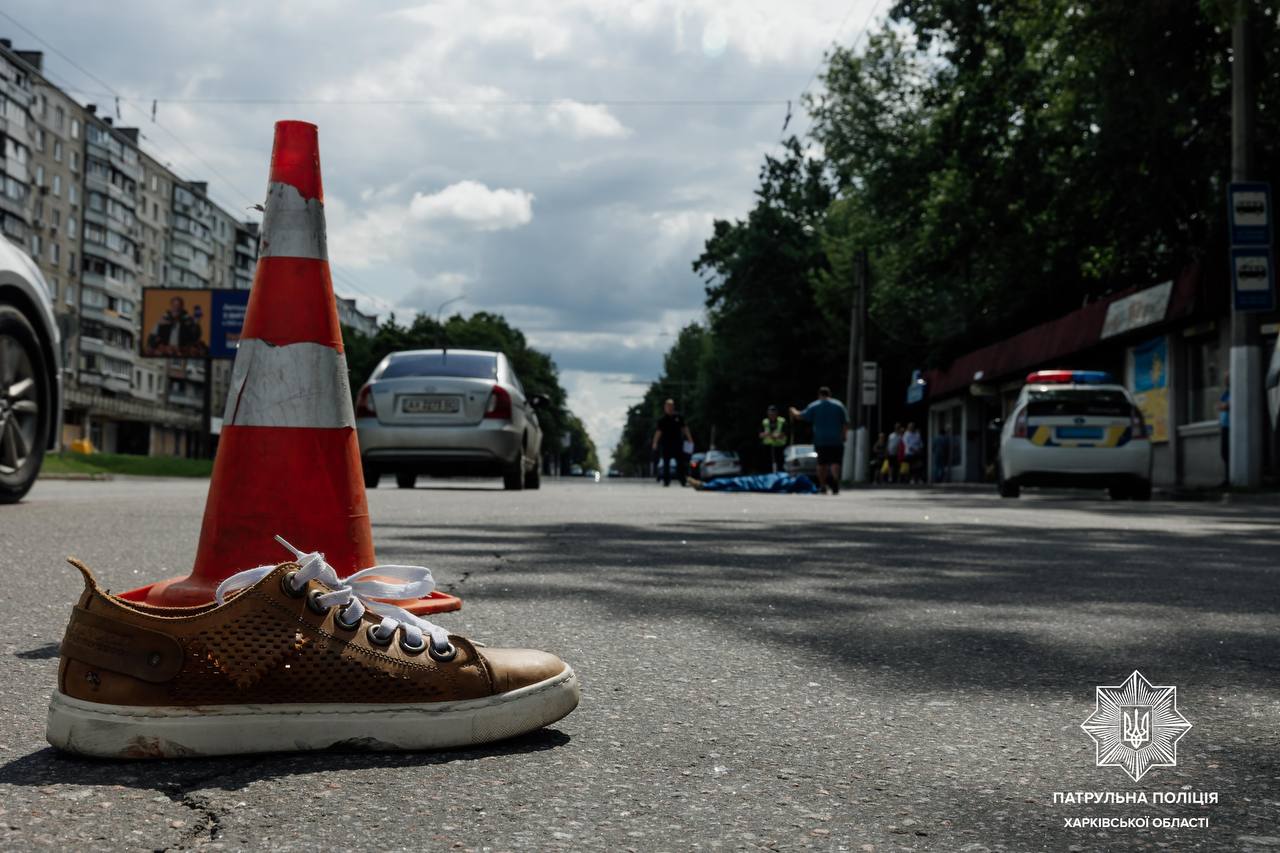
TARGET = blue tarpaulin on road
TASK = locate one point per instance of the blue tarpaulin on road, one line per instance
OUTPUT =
(777, 483)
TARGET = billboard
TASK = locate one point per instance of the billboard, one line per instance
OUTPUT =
(191, 323)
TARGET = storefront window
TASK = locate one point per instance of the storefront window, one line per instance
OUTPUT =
(1204, 370)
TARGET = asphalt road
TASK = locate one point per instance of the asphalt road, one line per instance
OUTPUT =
(881, 670)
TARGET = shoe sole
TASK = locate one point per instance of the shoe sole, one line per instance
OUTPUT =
(124, 731)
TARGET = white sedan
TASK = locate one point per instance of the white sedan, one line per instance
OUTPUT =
(720, 463)
(1075, 428)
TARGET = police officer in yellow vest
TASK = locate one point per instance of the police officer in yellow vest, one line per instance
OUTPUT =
(773, 435)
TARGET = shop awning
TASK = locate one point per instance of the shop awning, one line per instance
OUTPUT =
(1132, 312)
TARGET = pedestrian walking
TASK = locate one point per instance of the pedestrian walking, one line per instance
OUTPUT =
(773, 436)
(942, 456)
(878, 451)
(668, 441)
(830, 423)
(893, 454)
(913, 453)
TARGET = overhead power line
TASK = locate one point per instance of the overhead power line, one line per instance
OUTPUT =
(864, 30)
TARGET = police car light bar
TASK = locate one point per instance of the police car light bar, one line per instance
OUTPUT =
(1063, 377)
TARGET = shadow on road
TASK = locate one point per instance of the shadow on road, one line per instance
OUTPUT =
(959, 604)
(50, 767)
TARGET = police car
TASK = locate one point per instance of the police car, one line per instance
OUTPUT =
(1075, 428)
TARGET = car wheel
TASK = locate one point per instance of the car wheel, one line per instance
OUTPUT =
(513, 477)
(25, 410)
(533, 479)
(371, 476)
(1009, 489)
(406, 479)
(1141, 491)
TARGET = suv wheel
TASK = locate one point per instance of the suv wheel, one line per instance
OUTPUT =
(371, 476)
(406, 479)
(533, 479)
(25, 416)
(1141, 491)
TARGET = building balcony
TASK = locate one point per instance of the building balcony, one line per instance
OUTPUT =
(16, 208)
(186, 401)
(98, 250)
(110, 285)
(201, 243)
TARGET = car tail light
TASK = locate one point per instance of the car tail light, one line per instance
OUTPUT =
(364, 403)
(499, 406)
(1020, 425)
(1137, 424)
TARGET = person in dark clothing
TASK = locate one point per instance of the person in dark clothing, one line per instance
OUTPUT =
(668, 441)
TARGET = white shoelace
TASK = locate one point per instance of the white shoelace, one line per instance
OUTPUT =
(357, 593)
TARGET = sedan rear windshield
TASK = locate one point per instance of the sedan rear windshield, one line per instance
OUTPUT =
(465, 365)
(1061, 402)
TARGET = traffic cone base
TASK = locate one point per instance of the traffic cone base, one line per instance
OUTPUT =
(288, 460)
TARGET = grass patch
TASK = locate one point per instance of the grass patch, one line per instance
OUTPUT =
(67, 462)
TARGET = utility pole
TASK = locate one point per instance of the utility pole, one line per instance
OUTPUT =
(854, 463)
(1245, 449)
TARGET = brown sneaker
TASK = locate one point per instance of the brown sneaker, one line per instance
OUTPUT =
(295, 660)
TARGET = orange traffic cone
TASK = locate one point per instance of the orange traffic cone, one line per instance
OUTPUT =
(288, 459)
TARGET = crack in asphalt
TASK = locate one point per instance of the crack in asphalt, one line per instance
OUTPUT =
(208, 824)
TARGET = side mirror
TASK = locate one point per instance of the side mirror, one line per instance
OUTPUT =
(538, 401)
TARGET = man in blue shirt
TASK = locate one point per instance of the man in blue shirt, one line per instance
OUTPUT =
(830, 426)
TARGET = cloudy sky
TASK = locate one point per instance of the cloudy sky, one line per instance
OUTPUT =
(556, 161)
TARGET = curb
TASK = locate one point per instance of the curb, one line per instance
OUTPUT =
(101, 476)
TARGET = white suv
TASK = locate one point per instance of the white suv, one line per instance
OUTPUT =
(1075, 428)
(30, 373)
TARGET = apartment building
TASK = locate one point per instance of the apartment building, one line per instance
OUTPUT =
(104, 220)
(352, 317)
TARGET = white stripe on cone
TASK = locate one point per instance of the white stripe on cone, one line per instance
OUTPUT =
(292, 226)
(298, 385)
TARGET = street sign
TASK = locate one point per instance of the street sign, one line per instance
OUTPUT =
(915, 391)
(1253, 278)
(870, 383)
(1249, 211)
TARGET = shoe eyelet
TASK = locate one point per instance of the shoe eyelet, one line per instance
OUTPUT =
(448, 653)
(412, 650)
(286, 583)
(344, 624)
(314, 605)
(376, 638)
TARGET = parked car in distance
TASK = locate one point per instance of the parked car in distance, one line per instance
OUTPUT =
(1075, 428)
(720, 463)
(695, 465)
(575, 470)
(614, 472)
(800, 459)
(30, 373)
(448, 412)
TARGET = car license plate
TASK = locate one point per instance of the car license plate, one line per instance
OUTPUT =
(1084, 433)
(430, 405)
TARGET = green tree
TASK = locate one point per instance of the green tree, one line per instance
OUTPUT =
(771, 343)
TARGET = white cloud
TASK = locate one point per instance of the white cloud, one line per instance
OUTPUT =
(474, 204)
(585, 121)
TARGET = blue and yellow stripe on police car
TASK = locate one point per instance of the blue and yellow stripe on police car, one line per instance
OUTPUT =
(1116, 436)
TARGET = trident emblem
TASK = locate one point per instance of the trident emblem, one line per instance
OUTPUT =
(1137, 727)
